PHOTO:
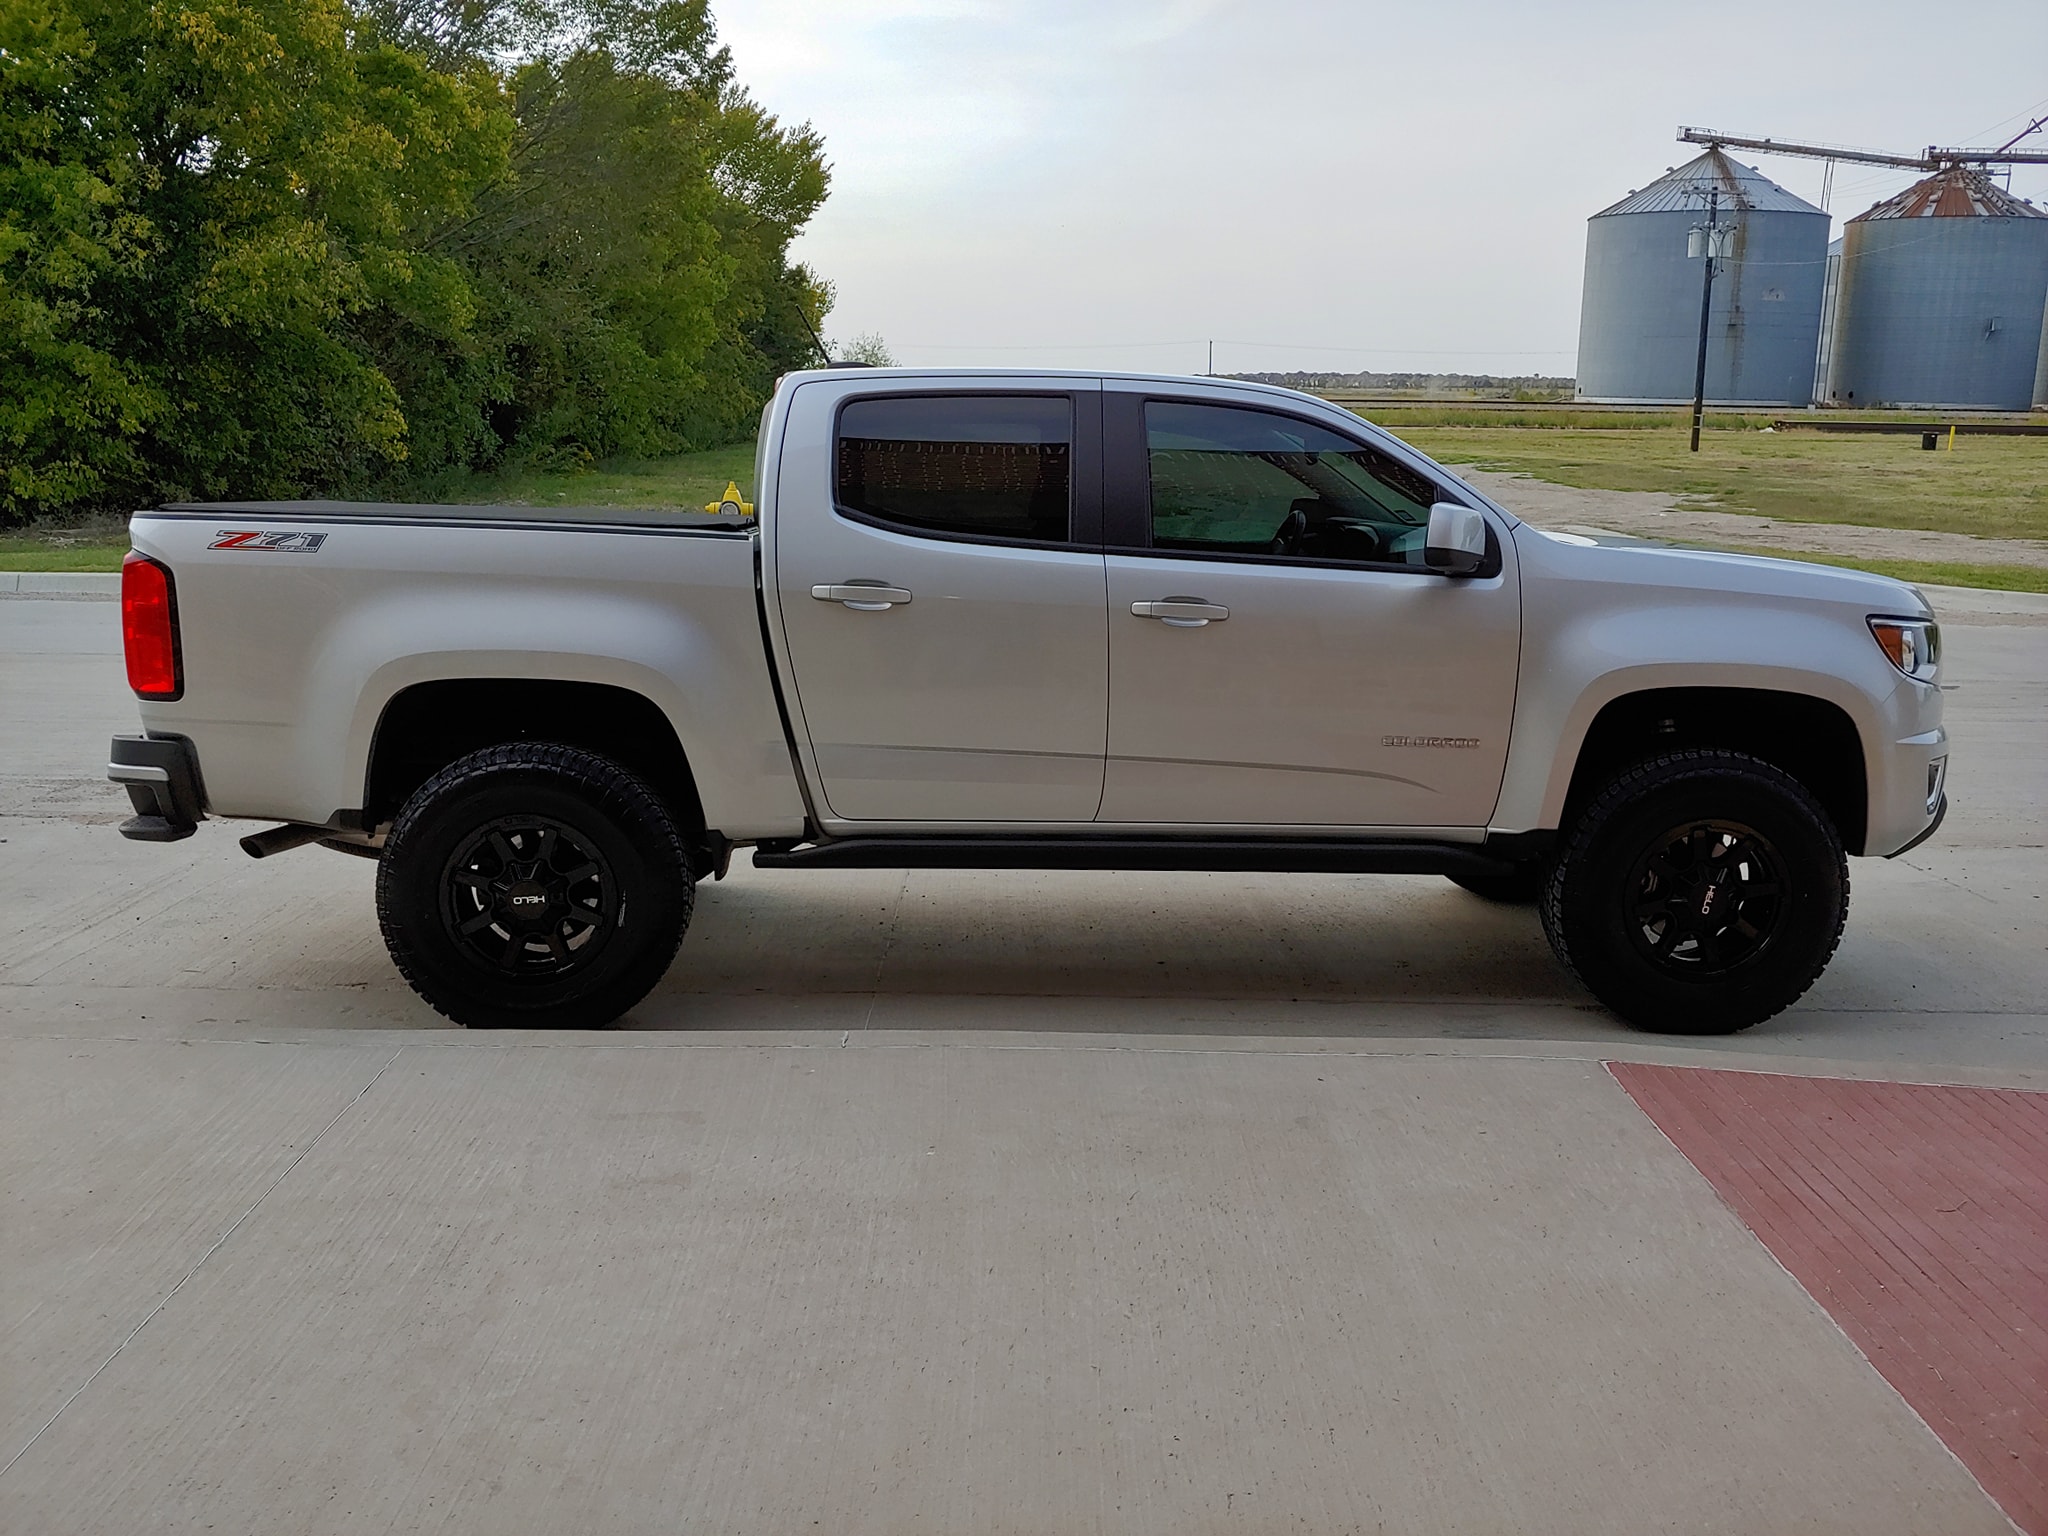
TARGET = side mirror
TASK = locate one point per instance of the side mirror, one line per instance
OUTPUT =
(1456, 541)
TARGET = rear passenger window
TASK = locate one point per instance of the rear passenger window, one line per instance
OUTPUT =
(989, 466)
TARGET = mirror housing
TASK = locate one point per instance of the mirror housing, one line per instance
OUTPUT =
(1456, 541)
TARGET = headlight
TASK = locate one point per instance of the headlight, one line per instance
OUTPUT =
(1912, 645)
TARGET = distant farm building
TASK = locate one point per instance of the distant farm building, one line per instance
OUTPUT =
(1937, 299)
(1639, 325)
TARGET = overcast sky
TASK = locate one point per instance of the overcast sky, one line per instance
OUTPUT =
(1317, 184)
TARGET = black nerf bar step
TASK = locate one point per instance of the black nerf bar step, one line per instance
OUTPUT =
(1275, 854)
(161, 775)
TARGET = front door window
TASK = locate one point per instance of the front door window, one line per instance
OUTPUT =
(1248, 482)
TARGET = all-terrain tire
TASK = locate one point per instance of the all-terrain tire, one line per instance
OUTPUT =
(1516, 885)
(1699, 893)
(533, 885)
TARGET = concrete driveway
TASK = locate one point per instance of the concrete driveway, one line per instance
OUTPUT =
(943, 1202)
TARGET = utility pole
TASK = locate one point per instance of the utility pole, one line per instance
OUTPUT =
(1710, 248)
(1212, 359)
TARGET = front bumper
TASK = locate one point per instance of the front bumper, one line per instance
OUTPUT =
(1908, 785)
(1940, 815)
(161, 775)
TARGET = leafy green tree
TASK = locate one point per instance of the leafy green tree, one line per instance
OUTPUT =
(868, 347)
(632, 268)
(271, 247)
(70, 408)
(250, 181)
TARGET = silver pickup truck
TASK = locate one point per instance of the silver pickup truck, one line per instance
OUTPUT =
(1032, 620)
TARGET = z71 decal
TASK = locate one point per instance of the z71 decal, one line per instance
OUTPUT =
(278, 543)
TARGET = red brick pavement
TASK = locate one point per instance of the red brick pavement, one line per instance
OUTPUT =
(1918, 1216)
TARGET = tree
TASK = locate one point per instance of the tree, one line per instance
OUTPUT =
(869, 348)
(69, 407)
(631, 268)
(271, 247)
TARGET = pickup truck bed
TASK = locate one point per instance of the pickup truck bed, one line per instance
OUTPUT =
(294, 657)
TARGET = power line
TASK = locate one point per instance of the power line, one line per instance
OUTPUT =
(2006, 122)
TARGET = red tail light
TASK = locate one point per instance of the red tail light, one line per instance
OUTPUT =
(149, 628)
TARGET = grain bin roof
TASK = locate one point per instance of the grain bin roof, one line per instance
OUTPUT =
(1955, 193)
(1685, 189)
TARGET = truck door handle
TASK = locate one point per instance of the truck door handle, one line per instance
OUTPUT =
(861, 596)
(1181, 612)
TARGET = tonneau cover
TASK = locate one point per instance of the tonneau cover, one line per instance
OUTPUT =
(444, 512)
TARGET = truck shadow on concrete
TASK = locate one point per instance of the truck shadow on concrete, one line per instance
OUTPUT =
(212, 944)
(1364, 957)
(1094, 951)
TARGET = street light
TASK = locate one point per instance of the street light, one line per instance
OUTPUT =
(1709, 240)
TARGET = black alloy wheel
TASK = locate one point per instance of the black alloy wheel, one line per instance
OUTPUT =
(1698, 893)
(529, 897)
(1705, 898)
(533, 885)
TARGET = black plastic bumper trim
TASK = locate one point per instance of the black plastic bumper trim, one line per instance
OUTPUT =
(155, 829)
(161, 775)
(1278, 855)
(1934, 826)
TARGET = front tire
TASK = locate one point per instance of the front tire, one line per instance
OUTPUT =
(1699, 893)
(530, 885)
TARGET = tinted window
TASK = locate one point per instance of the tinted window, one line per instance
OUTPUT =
(1253, 482)
(991, 465)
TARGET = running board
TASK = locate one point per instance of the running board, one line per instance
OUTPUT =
(1278, 855)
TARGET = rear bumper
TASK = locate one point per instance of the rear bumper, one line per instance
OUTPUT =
(161, 775)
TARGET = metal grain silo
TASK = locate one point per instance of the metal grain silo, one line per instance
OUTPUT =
(1831, 294)
(1639, 326)
(2041, 368)
(1941, 298)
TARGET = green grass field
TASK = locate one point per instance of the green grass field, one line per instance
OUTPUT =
(1990, 486)
(1932, 573)
(36, 551)
(688, 481)
(1551, 418)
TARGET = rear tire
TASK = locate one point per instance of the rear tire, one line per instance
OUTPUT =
(533, 886)
(1699, 893)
